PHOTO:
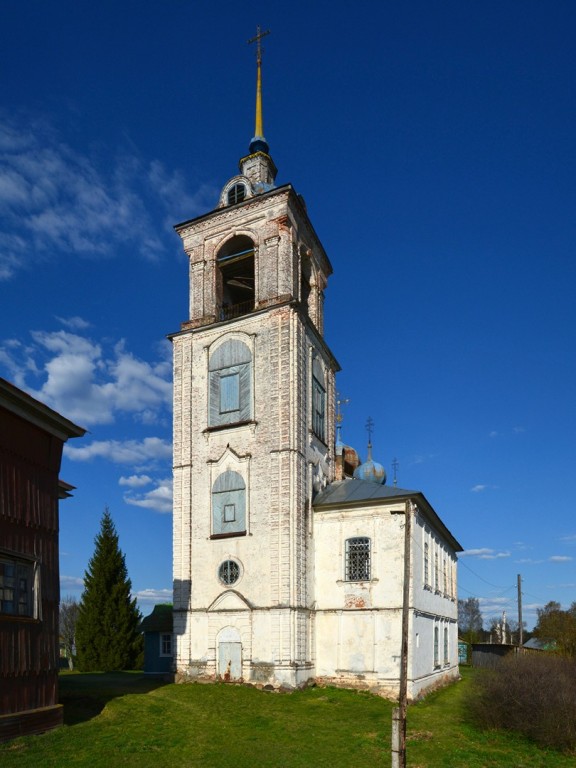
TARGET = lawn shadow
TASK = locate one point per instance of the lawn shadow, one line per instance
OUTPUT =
(84, 696)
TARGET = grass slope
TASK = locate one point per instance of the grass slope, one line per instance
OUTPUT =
(127, 720)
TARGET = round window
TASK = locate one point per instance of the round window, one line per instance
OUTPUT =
(229, 572)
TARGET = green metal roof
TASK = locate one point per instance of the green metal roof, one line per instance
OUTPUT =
(160, 620)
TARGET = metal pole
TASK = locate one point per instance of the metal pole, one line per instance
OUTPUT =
(520, 627)
(399, 714)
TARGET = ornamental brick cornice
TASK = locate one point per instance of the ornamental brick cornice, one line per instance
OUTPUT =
(268, 199)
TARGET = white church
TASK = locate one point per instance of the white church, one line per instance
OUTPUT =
(289, 555)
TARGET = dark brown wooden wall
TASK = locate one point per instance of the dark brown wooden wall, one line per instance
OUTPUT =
(29, 465)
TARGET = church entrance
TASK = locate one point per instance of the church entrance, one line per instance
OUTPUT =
(230, 661)
(229, 655)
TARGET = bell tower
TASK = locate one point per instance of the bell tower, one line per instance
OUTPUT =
(253, 429)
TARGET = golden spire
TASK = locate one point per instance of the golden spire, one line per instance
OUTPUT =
(259, 142)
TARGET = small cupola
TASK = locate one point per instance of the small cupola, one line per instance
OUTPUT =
(370, 470)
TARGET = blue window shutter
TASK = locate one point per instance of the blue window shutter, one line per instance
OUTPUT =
(230, 384)
(229, 503)
(229, 392)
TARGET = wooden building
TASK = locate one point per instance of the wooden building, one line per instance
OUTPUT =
(158, 631)
(31, 440)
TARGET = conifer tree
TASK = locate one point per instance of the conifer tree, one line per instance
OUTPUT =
(107, 637)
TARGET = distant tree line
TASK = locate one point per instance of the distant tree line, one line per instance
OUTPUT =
(555, 627)
(471, 626)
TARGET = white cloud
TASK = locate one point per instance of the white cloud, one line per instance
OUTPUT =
(484, 554)
(153, 595)
(560, 559)
(55, 201)
(135, 481)
(159, 499)
(87, 383)
(74, 323)
(71, 582)
(134, 452)
(478, 488)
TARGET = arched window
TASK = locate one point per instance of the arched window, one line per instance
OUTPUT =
(230, 374)
(236, 283)
(318, 400)
(236, 194)
(228, 504)
(357, 559)
(426, 564)
(436, 648)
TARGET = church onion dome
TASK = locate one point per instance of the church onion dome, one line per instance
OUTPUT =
(351, 457)
(371, 470)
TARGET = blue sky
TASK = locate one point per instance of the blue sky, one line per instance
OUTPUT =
(434, 145)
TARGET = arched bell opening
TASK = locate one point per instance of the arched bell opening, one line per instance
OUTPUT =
(236, 278)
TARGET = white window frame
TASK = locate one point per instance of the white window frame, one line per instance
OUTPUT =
(163, 636)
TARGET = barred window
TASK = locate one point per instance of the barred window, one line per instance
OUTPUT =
(358, 559)
(229, 572)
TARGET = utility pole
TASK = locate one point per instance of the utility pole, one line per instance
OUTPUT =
(520, 627)
(399, 713)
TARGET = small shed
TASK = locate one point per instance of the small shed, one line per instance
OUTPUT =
(158, 640)
(490, 655)
(534, 644)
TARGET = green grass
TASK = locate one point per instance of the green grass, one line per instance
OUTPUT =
(127, 720)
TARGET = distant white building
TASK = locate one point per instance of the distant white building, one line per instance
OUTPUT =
(283, 573)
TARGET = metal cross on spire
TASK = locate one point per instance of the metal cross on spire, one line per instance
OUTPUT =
(258, 40)
(340, 401)
(395, 466)
(258, 142)
(369, 428)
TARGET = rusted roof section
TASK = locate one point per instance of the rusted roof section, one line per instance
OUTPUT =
(359, 493)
